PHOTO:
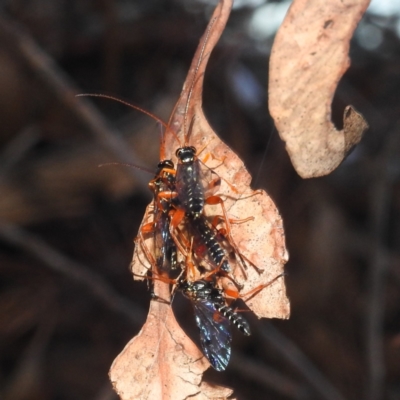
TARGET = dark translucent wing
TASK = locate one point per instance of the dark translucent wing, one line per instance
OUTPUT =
(215, 333)
(209, 179)
(164, 246)
(193, 180)
(163, 243)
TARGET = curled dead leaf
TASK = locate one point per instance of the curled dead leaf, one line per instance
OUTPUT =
(262, 239)
(308, 58)
(161, 354)
(161, 362)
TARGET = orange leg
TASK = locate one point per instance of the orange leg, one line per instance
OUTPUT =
(149, 228)
(190, 271)
(198, 152)
(217, 218)
(177, 218)
(190, 267)
(162, 278)
(158, 277)
(166, 195)
(213, 185)
(214, 200)
(207, 157)
(234, 294)
(218, 270)
(144, 229)
(167, 171)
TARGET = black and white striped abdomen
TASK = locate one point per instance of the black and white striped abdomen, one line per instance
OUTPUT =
(189, 188)
(209, 239)
(234, 318)
(195, 197)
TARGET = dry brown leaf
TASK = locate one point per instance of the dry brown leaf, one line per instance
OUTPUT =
(209, 391)
(261, 241)
(161, 362)
(309, 56)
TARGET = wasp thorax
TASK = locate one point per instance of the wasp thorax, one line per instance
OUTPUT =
(186, 154)
(187, 289)
(165, 164)
(162, 165)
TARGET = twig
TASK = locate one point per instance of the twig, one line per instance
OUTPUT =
(356, 242)
(17, 147)
(22, 46)
(268, 377)
(28, 375)
(112, 50)
(106, 392)
(297, 358)
(379, 215)
(73, 270)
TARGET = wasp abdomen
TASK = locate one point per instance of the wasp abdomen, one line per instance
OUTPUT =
(188, 181)
(235, 318)
(209, 239)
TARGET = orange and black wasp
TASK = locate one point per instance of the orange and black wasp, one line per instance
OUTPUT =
(170, 208)
(213, 318)
(165, 250)
(213, 315)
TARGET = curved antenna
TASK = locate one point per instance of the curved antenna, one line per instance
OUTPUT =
(210, 25)
(190, 128)
(169, 124)
(162, 144)
(126, 165)
(142, 110)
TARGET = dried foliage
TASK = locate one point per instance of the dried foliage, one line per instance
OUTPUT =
(261, 241)
(161, 362)
(309, 56)
(68, 304)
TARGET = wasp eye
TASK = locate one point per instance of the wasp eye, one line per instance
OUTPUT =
(193, 149)
(178, 151)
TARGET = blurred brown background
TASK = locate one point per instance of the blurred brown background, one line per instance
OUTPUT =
(68, 303)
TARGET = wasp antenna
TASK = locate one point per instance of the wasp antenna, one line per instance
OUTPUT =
(126, 165)
(162, 145)
(169, 124)
(126, 103)
(190, 130)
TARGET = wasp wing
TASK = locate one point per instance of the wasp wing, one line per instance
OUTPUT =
(209, 179)
(164, 246)
(195, 181)
(215, 333)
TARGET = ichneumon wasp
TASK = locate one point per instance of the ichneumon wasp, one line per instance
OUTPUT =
(213, 318)
(178, 217)
(213, 315)
(186, 194)
(165, 250)
(166, 241)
